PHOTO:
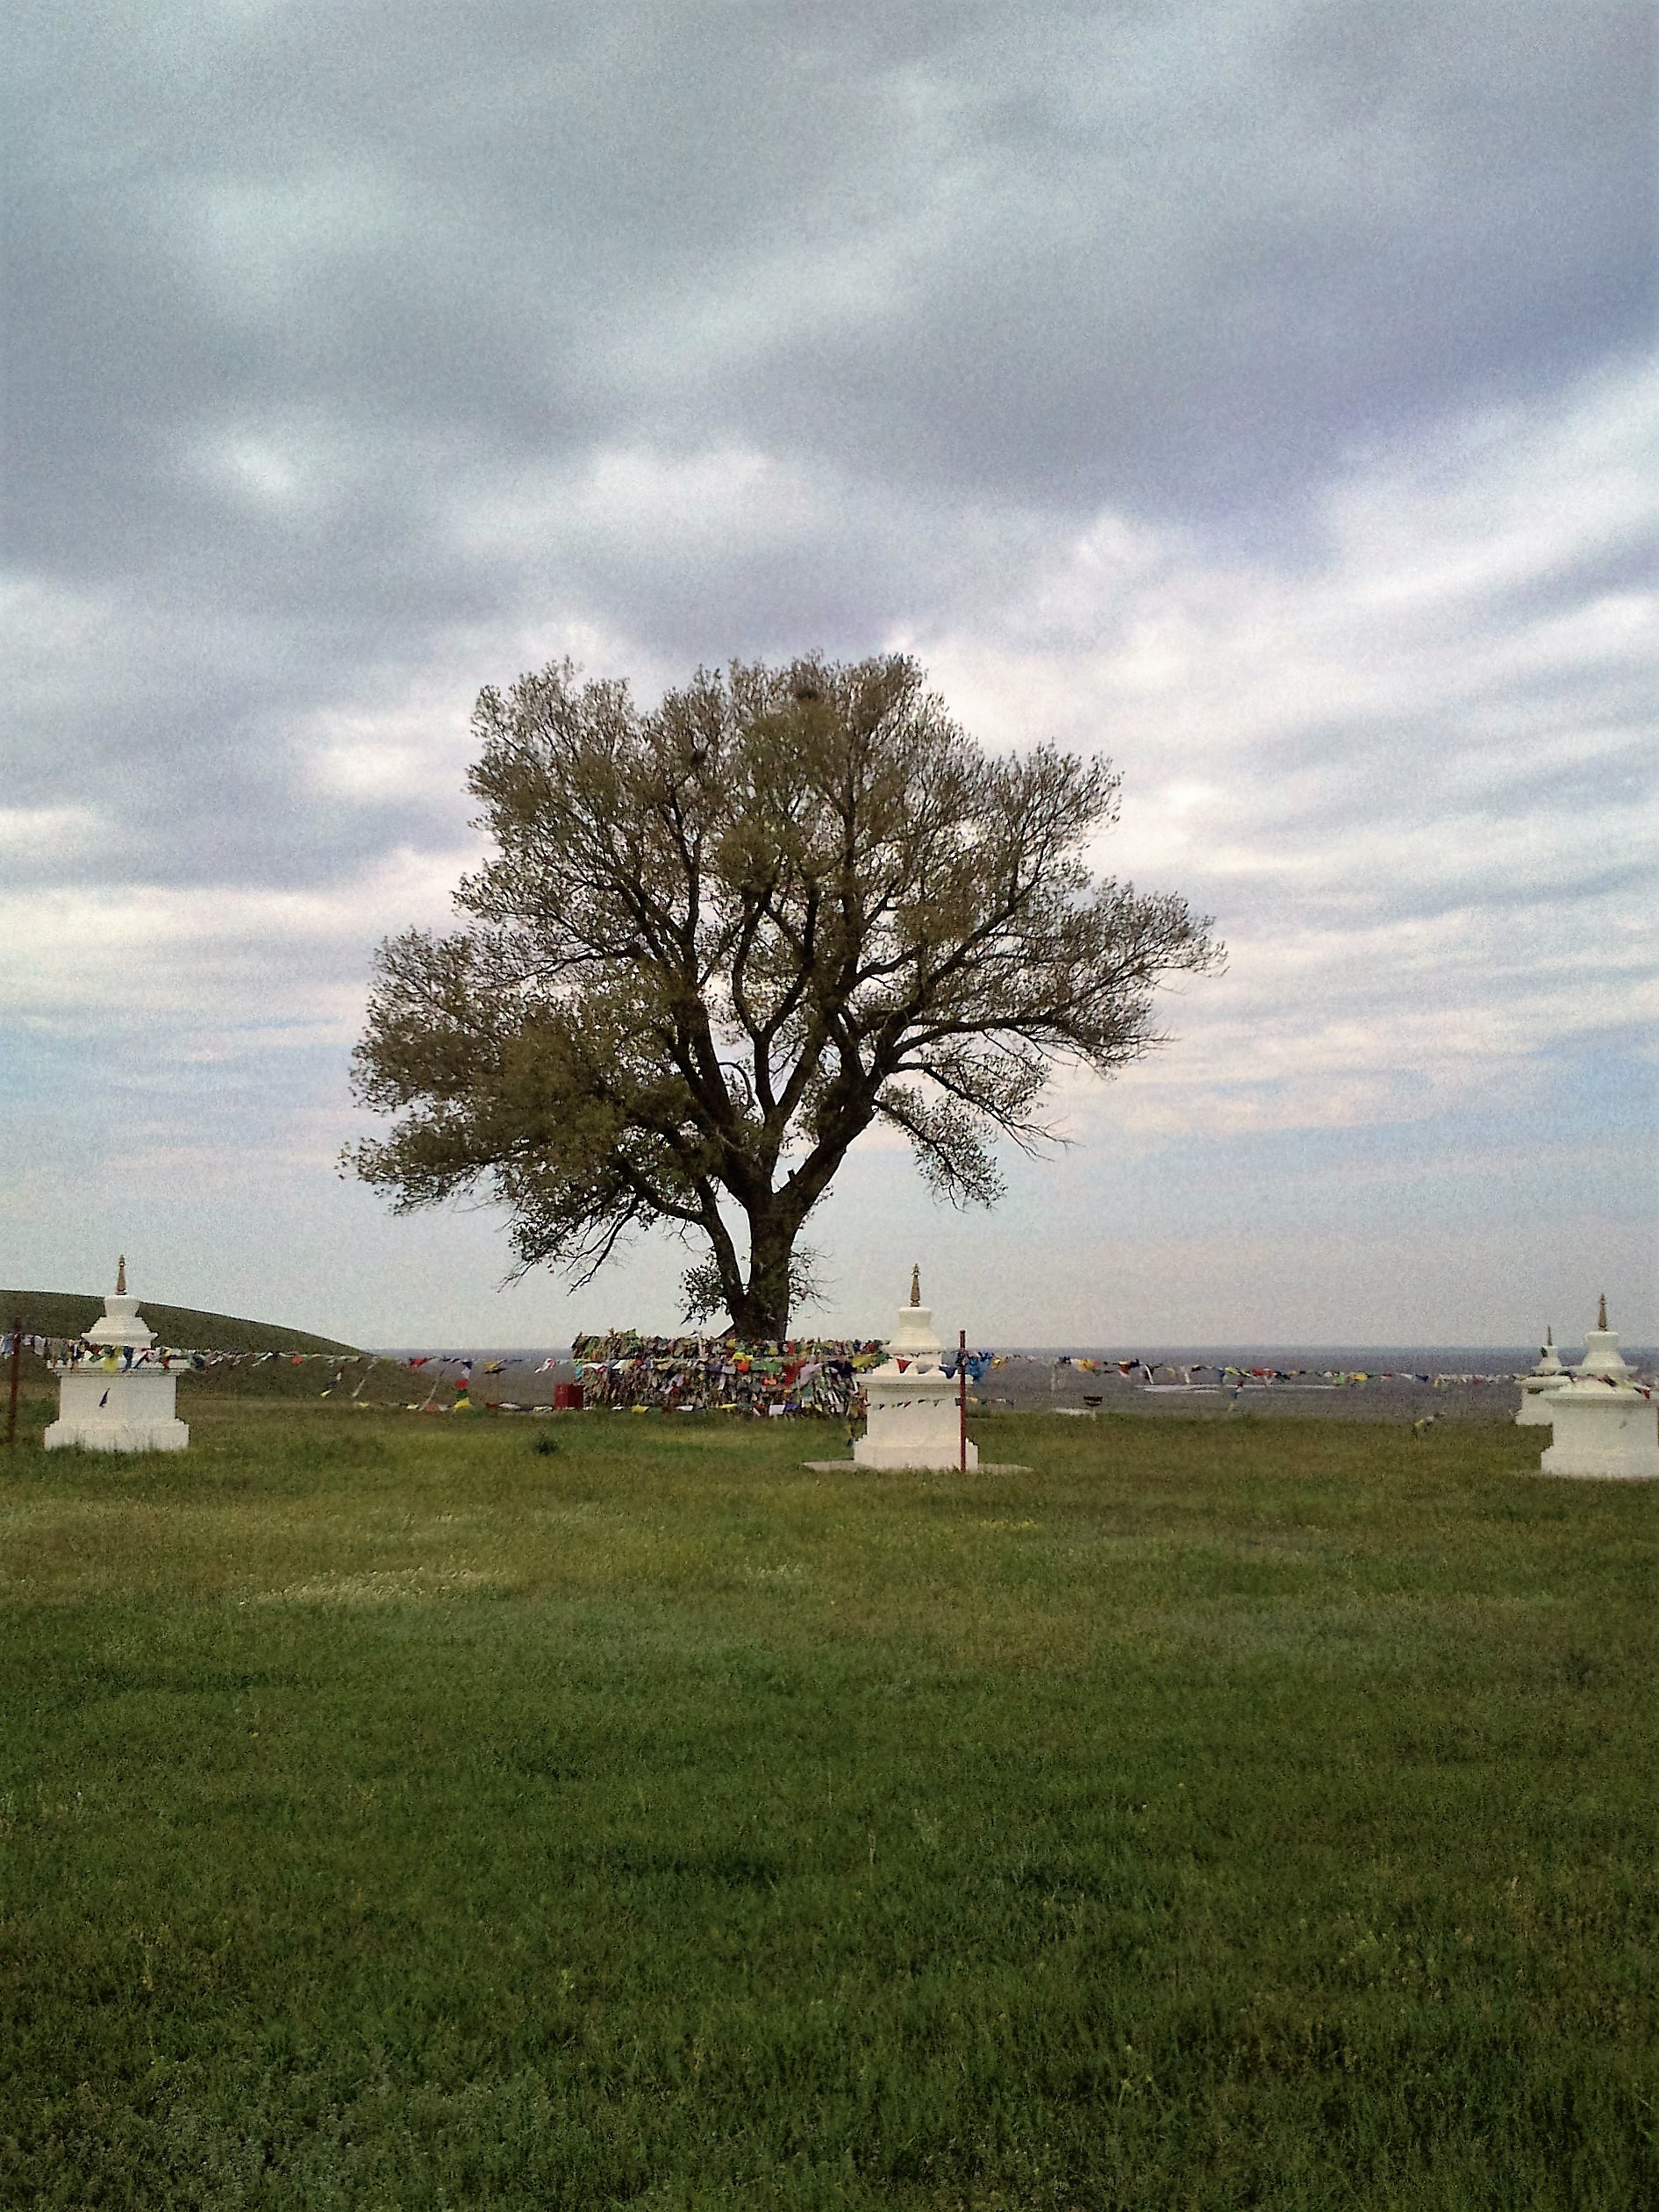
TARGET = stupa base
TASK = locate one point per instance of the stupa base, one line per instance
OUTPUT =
(124, 1409)
(118, 1436)
(974, 1467)
(920, 1455)
(1603, 1441)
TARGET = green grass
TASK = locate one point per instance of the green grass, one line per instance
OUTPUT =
(1219, 1815)
(69, 1313)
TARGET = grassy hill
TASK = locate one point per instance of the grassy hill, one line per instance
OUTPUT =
(67, 1313)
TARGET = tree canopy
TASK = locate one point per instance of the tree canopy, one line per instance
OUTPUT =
(719, 939)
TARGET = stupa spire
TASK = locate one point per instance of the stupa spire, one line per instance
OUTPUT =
(121, 1276)
(1601, 1314)
(916, 1285)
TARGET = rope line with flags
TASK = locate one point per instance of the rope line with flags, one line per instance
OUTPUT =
(624, 1370)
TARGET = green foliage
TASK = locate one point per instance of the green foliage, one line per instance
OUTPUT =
(1216, 1816)
(719, 940)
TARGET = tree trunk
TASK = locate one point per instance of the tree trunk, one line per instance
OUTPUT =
(762, 1315)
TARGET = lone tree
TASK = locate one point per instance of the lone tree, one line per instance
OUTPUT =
(721, 938)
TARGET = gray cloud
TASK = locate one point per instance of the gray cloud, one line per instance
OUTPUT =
(1255, 388)
(1166, 258)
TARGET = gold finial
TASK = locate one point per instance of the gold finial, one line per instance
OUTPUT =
(1601, 1317)
(121, 1276)
(916, 1285)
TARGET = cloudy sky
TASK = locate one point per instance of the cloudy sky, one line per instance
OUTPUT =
(1263, 394)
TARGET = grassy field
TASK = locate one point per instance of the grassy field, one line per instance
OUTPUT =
(396, 1814)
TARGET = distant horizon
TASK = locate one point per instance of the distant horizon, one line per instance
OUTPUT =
(1160, 1348)
(1120, 1344)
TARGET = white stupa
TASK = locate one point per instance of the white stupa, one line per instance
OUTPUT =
(1605, 1427)
(914, 1417)
(1548, 1375)
(116, 1397)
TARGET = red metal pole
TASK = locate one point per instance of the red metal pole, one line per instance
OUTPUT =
(962, 1394)
(16, 1361)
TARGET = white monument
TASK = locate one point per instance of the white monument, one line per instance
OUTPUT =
(1548, 1375)
(118, 1396)
(914, 1414)
(1605, 1427)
